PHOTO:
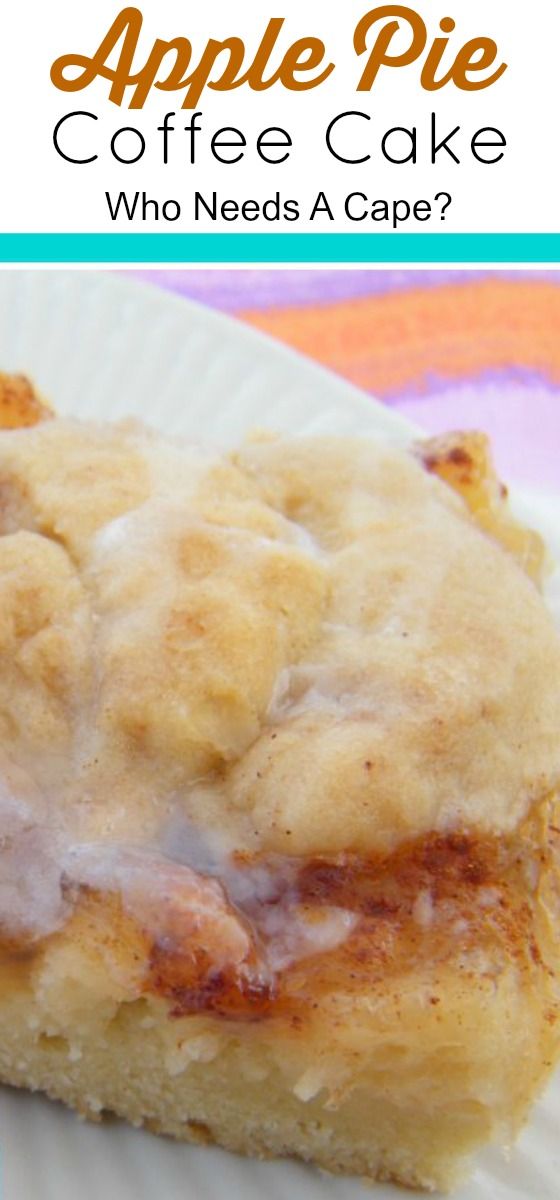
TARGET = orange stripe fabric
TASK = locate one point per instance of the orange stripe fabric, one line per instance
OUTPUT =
(401, 341)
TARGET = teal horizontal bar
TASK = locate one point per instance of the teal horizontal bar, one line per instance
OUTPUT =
(279, 247)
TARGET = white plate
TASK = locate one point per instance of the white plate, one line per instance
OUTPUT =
(103, 346)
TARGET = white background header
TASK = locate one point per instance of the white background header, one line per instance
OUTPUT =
(42, 192)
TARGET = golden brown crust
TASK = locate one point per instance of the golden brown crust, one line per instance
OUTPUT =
(464, 461)
(20, 404)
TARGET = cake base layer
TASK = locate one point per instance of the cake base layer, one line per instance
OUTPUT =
(225, 1102)
(404, 1094)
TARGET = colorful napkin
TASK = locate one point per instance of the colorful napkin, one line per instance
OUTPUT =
(449, 349)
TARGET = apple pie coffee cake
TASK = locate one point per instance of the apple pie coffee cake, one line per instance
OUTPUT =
(279, 760)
